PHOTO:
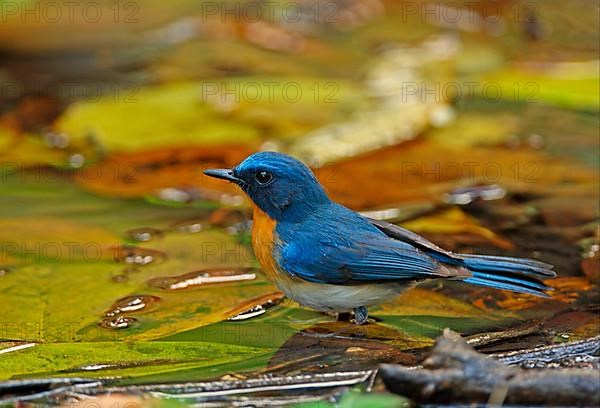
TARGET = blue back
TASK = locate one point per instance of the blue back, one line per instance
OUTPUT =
(338, 246)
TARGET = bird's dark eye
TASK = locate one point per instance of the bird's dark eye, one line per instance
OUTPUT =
(263, 177)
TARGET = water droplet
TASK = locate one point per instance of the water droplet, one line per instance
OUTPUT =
(536, 141)
(76, 160)
(467, 195)
(143, 234)
(442, 115)
(190, 226)
(130, 254)
(119, 322)
(255, 307)
(96, 367)
(589, 247)
(202, 278)
(132, 304)
(56, 140)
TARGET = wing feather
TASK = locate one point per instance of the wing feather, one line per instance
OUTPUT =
(352, 256)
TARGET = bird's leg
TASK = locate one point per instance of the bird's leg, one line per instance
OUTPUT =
(360, 315)
(343, 317)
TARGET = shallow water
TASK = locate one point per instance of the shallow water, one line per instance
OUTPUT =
(121, 261)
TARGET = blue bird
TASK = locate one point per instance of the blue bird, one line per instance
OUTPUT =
(330, 258)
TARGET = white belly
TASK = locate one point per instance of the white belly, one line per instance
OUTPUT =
(338, 298)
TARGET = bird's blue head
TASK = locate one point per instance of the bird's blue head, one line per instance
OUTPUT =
(281, 186)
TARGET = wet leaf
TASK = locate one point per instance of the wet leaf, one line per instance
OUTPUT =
(114, 358)
(83, 274)
(566, 290)
(455, 222)
(418, 301)
(147, 172)
(144, 122)
(563, 84)
(255, 307)
(205, 114)
(424, 170)
(21, 150)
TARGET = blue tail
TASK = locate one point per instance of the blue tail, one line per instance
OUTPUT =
(515, 274)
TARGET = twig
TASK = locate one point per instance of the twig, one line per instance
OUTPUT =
(555, 353)
(454, 372)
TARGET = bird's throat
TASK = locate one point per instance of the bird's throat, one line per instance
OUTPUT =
(263, 237)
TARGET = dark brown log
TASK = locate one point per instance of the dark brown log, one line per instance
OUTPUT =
(454, 372)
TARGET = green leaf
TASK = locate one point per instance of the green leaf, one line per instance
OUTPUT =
(118, 358)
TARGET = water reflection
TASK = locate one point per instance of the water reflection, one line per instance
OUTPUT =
(134, 255)
(119, 322)
(203, 277)
(255, 307)
(143, 234)
(131, 304)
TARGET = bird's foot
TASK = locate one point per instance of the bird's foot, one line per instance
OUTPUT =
(361, 315)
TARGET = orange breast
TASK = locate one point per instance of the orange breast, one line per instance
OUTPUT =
(263, 233)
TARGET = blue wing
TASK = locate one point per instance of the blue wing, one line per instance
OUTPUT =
(341, 247)
(517, 274)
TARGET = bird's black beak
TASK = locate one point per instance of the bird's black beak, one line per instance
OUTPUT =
(225, 174)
